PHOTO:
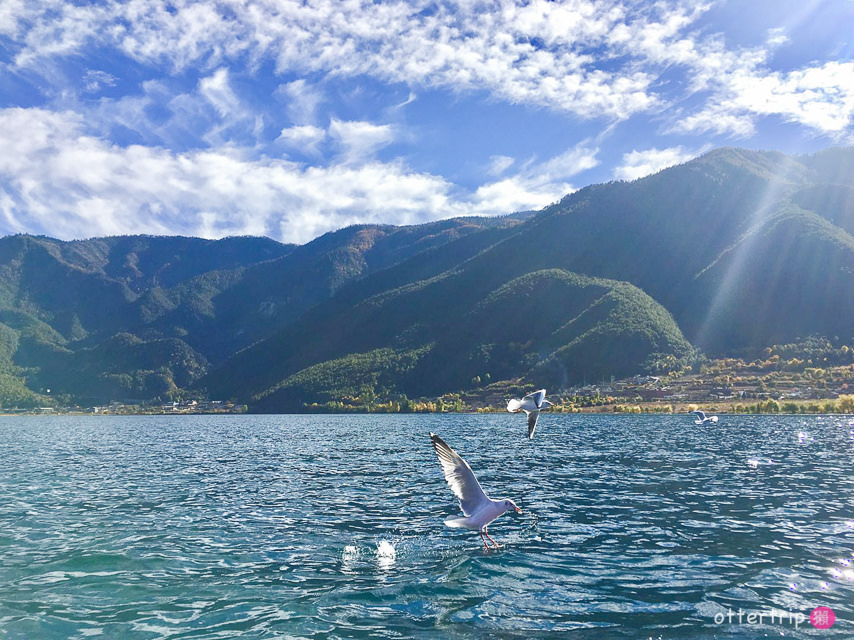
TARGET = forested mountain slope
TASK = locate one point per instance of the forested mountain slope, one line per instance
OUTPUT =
(734, 250)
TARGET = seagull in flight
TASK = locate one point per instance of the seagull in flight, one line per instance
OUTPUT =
(478, 509)
(702, 418)
(531, 404)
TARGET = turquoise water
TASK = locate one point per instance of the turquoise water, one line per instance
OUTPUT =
(269, 526)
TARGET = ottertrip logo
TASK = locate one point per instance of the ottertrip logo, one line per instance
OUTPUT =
(820, 617)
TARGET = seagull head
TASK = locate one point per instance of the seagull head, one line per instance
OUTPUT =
(509, 504)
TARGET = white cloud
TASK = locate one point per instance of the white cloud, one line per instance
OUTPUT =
(52, 28)
(55, 179)
(536, 53)
(777, 37)
(210, 113)
(721, 119)
(217, 90)
(567, 164)
(12, 13)
(537, 184)
(589, 58)
(499, 164)
(409, 100)
(302, 100)
(638, 164)
(819, 97)
(360, 140)
(96, 80)
(304, 138)
(516, 193)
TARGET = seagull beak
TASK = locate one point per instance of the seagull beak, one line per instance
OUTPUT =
(518, 510)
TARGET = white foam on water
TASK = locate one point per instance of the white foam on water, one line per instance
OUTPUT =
(386, 554)
(349, 558)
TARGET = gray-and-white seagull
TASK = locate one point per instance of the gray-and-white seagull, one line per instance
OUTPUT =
(478, 509)
(531, 404)
(702, 418)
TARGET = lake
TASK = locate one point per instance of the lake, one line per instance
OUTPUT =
(332, 526)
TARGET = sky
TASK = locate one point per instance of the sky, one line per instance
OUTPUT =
(289, 119)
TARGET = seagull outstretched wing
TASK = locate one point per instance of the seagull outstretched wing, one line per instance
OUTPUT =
(532, 404)
(536, 398)
(460, 477)
(532, 422)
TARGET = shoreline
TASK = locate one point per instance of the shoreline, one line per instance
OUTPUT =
(613, 410)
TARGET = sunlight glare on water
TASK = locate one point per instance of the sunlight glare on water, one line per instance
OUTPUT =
(332, 526)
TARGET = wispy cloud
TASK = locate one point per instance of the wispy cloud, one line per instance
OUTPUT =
(217, 91)
(96, 80)
(543, 53)
(302, 100)
(305, 138)
(591, 59)
(538, 53)
(718, 119)
(360, 140)
(537, 184)
(499, 164)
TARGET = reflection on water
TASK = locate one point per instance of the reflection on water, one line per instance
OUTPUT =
(318, 526)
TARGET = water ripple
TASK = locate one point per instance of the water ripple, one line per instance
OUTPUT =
(331, 526)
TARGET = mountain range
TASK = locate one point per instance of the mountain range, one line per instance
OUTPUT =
(734, 251)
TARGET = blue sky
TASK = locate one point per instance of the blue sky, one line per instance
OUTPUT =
(291, 119)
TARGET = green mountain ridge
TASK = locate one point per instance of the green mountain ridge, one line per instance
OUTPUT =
(734, 250)
(63, 300)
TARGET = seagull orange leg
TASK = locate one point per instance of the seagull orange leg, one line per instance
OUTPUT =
(490, 539)
(485, 546)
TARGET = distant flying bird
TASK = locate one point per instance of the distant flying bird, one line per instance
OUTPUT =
(478, 509)
(702, 418)
(531, 404)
